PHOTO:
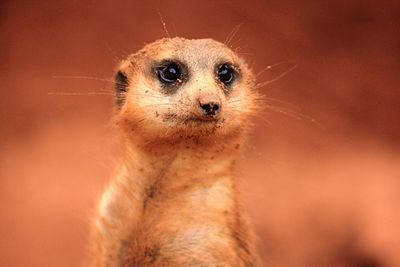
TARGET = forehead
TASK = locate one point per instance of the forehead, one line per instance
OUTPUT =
(199, 52)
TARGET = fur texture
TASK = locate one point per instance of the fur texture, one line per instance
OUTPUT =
(174, 201)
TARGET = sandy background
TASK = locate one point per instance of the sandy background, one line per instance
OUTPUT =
(321, 193)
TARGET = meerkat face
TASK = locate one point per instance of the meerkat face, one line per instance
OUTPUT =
(179, 88)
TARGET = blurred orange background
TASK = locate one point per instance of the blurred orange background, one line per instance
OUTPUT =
(322, 168)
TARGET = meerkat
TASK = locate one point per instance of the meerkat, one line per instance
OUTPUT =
(183, 108)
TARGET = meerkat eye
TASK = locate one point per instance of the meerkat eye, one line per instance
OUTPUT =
(225, 74)
(170, 73)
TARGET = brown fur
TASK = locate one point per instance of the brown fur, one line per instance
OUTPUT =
(174, 201)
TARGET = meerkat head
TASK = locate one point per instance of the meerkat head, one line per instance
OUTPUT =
(177, 88)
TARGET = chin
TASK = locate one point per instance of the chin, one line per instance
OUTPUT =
(214, 131)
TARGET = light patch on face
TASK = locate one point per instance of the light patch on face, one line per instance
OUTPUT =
(148, 97)
(145, 108)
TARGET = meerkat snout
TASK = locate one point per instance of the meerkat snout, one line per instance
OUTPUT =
(209, 105)
(210, 109)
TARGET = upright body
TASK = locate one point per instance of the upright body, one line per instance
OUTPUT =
(183, 108)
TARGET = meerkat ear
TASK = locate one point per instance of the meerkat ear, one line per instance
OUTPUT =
(121, 88)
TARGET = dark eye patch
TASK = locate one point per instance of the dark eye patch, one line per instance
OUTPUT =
(169, 73)
(226, 74)
(121, 87)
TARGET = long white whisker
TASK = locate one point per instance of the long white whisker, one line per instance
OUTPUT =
(270, 67)
(276, 78)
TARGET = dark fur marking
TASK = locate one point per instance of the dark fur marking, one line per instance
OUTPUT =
(239, 234)
(152, 253)
(133, 256)
(155, 189)
(121, 87)
(125, 250)
(150, 193)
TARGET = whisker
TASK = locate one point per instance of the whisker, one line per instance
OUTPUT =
(104, 92)
(263, 118)
(147, 95)
(245, 53)
(163, 24)
(78, 93)
(84, 78)
(232, 34)
(107, 90)
(295, 114)
(160, 104)
(269, 67)
(235, 43)
(234, 101)
(276, 78)
(112, 52)
(255, 115)
(280, 101)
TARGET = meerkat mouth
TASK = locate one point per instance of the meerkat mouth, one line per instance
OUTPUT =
(202, 120)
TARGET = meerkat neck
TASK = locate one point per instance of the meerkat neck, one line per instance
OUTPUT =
(174, 167)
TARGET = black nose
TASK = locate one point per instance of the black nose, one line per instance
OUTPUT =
(210, 108)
